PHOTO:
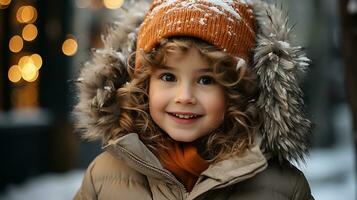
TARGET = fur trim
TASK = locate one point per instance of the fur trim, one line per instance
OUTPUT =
(96, 112)
(278, 65)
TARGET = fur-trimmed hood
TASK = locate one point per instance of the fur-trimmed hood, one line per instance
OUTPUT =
(278, 64)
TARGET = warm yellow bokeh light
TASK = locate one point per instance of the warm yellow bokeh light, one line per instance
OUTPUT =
(34, 78)
(26, 14)
(29, 32)
(23, 61)
(29, 14)
(113, 4)
(29, 71)
(69, 47)
(16, 44)
(14, 74)
(34, 59)
(37, 60)
(19, 14)
(4, 3)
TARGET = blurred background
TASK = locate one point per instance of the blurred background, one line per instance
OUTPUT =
(43, 43)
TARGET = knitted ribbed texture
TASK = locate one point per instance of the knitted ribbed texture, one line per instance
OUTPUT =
(183, 160)
(226, 24)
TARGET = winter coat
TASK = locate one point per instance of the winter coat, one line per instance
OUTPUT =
(127, 169)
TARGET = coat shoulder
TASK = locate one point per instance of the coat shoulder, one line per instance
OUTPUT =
(279, 180)
(110, 178)
(106, 166)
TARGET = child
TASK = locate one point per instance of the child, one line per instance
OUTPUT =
(209, 108)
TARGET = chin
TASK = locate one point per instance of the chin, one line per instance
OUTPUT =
(182, 139)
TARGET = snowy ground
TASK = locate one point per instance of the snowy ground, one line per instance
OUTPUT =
(330, 173)
(46, 187)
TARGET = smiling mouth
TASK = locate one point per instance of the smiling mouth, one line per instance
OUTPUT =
(185, 115)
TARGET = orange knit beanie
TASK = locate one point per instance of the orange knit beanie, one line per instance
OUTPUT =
(227, 24)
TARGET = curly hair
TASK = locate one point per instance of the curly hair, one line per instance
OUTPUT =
(235, 134)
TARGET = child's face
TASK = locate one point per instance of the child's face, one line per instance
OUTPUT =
(184, 100)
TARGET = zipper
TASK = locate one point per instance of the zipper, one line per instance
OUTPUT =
(134, 158)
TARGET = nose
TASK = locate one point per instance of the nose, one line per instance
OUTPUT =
(185, 95)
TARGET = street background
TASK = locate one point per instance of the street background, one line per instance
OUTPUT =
(43, 44)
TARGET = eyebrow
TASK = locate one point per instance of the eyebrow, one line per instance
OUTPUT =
(166, 67)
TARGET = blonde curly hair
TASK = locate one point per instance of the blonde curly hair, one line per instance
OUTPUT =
(236, 133)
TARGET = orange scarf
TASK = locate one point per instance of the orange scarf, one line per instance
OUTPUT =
(184, 162)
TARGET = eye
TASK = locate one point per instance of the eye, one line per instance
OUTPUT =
(168, 77)
(206, 80)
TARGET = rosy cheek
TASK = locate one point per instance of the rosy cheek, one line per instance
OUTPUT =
(216, 101)
(216, 105)
(153, 103)
(154, 110)
(156, 100)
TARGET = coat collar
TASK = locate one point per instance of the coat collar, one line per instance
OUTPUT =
(132, 151)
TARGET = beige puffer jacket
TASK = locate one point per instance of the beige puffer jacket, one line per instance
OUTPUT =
(128, 170)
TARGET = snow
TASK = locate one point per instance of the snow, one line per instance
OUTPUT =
(226, 6)
(284, 44)
(202, 21)
(218, 6)
(241, 63)
(246, 1)
(216, 10)
(25, 117)
(331, 173)
(46, 187)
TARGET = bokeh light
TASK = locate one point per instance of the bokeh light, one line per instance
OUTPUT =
(29, 32)
(22, 62)
(29, 72)
(26, 14)
(29, 66)
(113, 4)
(37, 60)
(16, 44)
(14, 74)
(34, 77)
(70, 46)
(4, 3)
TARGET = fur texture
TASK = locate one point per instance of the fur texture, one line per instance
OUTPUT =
(278, 64)
(96, 112)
